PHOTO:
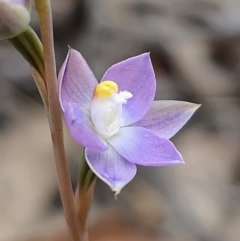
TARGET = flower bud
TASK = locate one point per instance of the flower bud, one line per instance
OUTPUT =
(14, 17)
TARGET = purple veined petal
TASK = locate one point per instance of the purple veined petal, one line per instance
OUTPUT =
(76, 81)
(141, 146)
(111, 168)
(81, 129)
(166, 118)
(135, 75)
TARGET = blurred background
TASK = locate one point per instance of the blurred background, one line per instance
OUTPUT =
(195, 50)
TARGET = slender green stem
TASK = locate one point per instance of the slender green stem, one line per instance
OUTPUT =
(45, 15)
(83, 201)
(41, 86)
(23, 51)
(86, 176)
(29, 45)
(84, 196)
(33, 44)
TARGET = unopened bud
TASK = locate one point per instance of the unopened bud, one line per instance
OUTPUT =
(14, 17)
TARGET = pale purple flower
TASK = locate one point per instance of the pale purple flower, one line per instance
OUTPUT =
(117, 120)
(14, 17)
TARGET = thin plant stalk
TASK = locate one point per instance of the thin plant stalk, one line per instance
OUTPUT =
(30, 47)
(55, 120)
(41, 87)
(83, 202)
(84, 195)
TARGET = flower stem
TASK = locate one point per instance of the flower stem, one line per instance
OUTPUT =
(84, 196)
(45, 15)
(41, 87)
(83, 202)
(30, 47)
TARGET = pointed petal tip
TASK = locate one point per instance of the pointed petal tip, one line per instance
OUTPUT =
(193, 106)
(111, 168)
(116, 190)
(145, 55)
(167, 117)
(172, 163)
(180, 162)
(115, 194)
(72, 51)
(69, 51)
(188, 105)
(196, 106)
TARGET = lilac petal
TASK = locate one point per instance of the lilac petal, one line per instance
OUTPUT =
(166, 118)
(81, 129)
(111, 168)
(76, 81)
(141, 146)
(135, 75)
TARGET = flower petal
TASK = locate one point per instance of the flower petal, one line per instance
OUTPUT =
(111, 168)
(141, 146)
(76, 81)
(166, 118)
(81, 129)
(135, 75)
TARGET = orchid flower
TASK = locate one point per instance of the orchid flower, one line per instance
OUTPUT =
(117, 120)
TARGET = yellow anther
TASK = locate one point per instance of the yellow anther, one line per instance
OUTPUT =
(105, 89)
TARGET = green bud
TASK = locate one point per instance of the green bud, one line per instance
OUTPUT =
(14, 17)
